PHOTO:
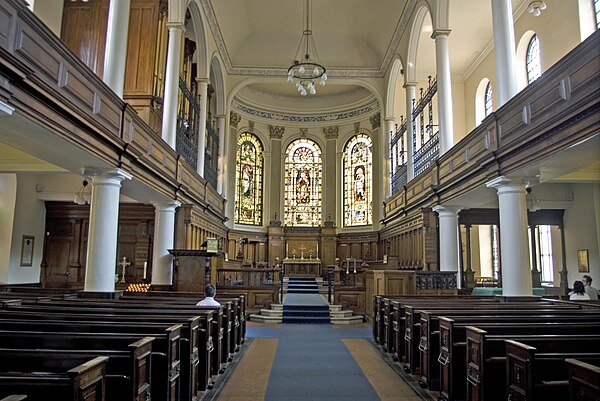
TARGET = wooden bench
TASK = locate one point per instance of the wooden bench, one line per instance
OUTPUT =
(84, 381)
(196, 333)
(539, 371)
(584, 380)
(450, 330)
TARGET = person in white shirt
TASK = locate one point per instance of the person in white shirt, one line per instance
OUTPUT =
(578, 293)
(587, 283)
(210, 292)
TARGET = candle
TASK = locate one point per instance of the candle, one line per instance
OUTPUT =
(145, 269)
(354, 266)
(317, 249)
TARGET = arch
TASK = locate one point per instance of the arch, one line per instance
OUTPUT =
(395, 73)
(410, 69)
(521, 56)
(200, 39)
(218, 83)
(480, 100)
(533, 62)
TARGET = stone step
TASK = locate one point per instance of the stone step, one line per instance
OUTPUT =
(266, 319)
(354, 319)
(306, 313)
(306, 320)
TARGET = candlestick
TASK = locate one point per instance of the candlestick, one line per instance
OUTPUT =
(145, 270)
(286, 250)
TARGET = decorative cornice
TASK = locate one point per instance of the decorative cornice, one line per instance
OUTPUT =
(300, 119)
(276, 131)
(331, 132)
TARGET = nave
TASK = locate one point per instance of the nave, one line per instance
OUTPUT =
(312, 362)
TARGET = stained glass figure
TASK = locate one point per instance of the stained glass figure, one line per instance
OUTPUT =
(249, 179)
(358, 179)
(302, 184)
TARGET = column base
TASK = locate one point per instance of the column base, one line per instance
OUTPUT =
(469, 279)
(100, 295)
(536, 279)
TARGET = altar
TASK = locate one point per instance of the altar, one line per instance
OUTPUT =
(302, 267)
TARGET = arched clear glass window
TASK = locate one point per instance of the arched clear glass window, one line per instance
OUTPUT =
(532, 61)
(358, 180)
(597, 13)
(303, 184)
(487, 99)
(249, 180)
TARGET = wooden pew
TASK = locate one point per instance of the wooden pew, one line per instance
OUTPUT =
(127, 370)
(196, 333)
(539, 371)
(451, 327)
(584, 380)
(412, 335)
(194, 366)
(85, 381)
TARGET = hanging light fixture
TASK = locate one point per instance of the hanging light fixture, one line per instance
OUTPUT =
(82, 197)
(306, 70)
(536, 8)
(532, 203)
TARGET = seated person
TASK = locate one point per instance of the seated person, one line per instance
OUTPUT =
(209, 292)
(578, 292)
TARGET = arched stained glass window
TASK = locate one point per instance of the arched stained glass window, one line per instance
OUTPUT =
(487, 102)
(532, 62)
(358, 179)
(303, 184)
(249, 180)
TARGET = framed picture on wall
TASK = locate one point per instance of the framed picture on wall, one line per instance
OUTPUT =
(27, 250)
(583, 263)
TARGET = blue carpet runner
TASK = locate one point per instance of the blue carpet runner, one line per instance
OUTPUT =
(313, 364)
(303, 304)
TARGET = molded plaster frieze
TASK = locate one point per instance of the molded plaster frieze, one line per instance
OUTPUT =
(234, 119)
(331, 132)
(276, 131)
(375, 121)
(316, 118)
(402, 25)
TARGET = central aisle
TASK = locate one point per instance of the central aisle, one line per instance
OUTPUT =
(313, 362)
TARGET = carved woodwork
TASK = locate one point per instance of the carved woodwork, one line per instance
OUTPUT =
(65, 245)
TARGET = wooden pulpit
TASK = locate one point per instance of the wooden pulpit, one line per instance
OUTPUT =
(191, 270)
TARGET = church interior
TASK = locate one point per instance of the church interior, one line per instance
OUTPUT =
(395, 200)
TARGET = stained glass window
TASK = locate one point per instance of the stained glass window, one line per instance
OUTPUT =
(488, 99)
(533, 63)
(249, 180)
(303, 184)
(358, 179)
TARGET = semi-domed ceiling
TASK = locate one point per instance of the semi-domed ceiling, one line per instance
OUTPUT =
(354, 39)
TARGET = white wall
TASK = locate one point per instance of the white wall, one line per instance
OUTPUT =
(581, 232)
(50, 12)
(29, 219)
(8, 189)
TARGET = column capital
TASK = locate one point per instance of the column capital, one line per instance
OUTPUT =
(276, 131)
(375, 121)
(389, 120)
(166, 205)
(106, 174)
(331, 132)
(176, 26)
(506, 184)
(203, 81)
(440, 32)
(234, 119)
(447, 211)
(220, 116)
(410, 84)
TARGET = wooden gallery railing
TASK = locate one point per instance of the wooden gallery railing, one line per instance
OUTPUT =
(261, 285)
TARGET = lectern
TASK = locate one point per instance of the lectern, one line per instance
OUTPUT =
(191, 270)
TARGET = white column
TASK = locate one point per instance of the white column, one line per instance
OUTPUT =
(444, 94)
(275, 165)
(115, 54)
(411, 94)
(202, 98)
(504, 47)
(448, 220)
(331, 186)
(514, 242)
(164, 236)
(387, 160)
(222, 164)
(169, 117)
(102, 235)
